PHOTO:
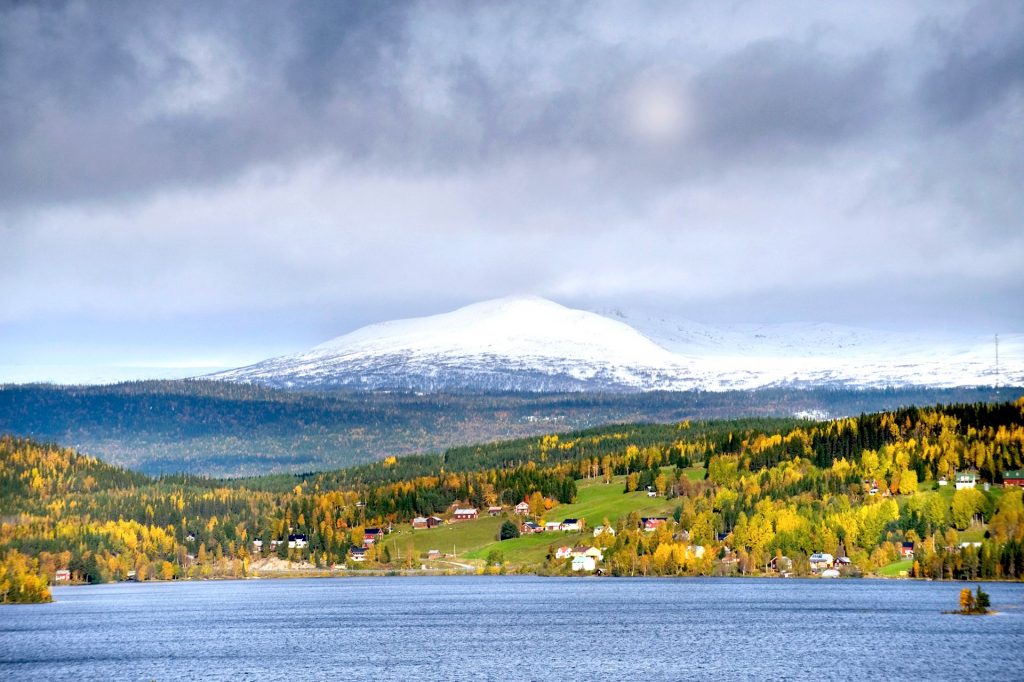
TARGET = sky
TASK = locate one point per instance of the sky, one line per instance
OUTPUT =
(202, 185)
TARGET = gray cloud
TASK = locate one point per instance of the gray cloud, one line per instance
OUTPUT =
(222, 162)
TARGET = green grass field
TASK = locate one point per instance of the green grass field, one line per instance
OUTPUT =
(894, 569)
(458, 538)
(473, 540)
(595, 502)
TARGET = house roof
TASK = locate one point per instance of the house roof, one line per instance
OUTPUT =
(570, 520)
(1013, 473)
(466, 510)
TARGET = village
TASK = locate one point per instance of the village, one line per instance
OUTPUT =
(537, 538)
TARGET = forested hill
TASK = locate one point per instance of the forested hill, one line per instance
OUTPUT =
(743, 491)
(222, 429)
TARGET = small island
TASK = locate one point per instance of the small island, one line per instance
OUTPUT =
(973, 603)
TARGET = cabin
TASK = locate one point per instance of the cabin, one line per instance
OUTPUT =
(531, 527)
(966, 480)
(257, 546)
(651, 523)
(62, 575)
(434, 554)
(357, 554)
(583, 563)
(551, 526)
(1014, 477)
(571, 525)
(465, 514)
(604, 529)
(943, 482)
(563, 552)
(907, 550)
(297, 541)
(821, 560)
(781, 564)
(372, 535)
(494, 511)
(420, 523)
(523, 509)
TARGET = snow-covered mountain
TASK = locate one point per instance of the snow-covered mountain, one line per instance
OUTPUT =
(528, 343)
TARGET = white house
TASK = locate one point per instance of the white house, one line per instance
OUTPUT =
(551, 526)
(604, 529)
(584, 563)
(522, 509)
(297, 542)
(821, 560)
(966, 479)
(571, 525)
(563, 552)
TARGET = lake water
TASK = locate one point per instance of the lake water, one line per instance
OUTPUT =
(513, 628)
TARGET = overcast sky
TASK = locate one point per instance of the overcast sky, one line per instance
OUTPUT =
(203, 185)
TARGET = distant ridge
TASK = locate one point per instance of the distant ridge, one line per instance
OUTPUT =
(530, 344)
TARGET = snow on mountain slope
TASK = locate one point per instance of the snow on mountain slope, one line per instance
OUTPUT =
(515, 343)
(746, 355)
(532, 344)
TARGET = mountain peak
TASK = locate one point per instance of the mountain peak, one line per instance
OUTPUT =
(528, 343)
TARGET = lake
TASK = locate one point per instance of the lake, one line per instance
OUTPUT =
(513, 628)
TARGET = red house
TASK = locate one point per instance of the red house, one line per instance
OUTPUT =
(907, 550)
(1014, 477)
(465, 514)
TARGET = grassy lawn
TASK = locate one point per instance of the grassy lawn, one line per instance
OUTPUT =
(973, 534)
(473, 540)
(893, 570)
(462, 536)
(595, 502)
(695, 473)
